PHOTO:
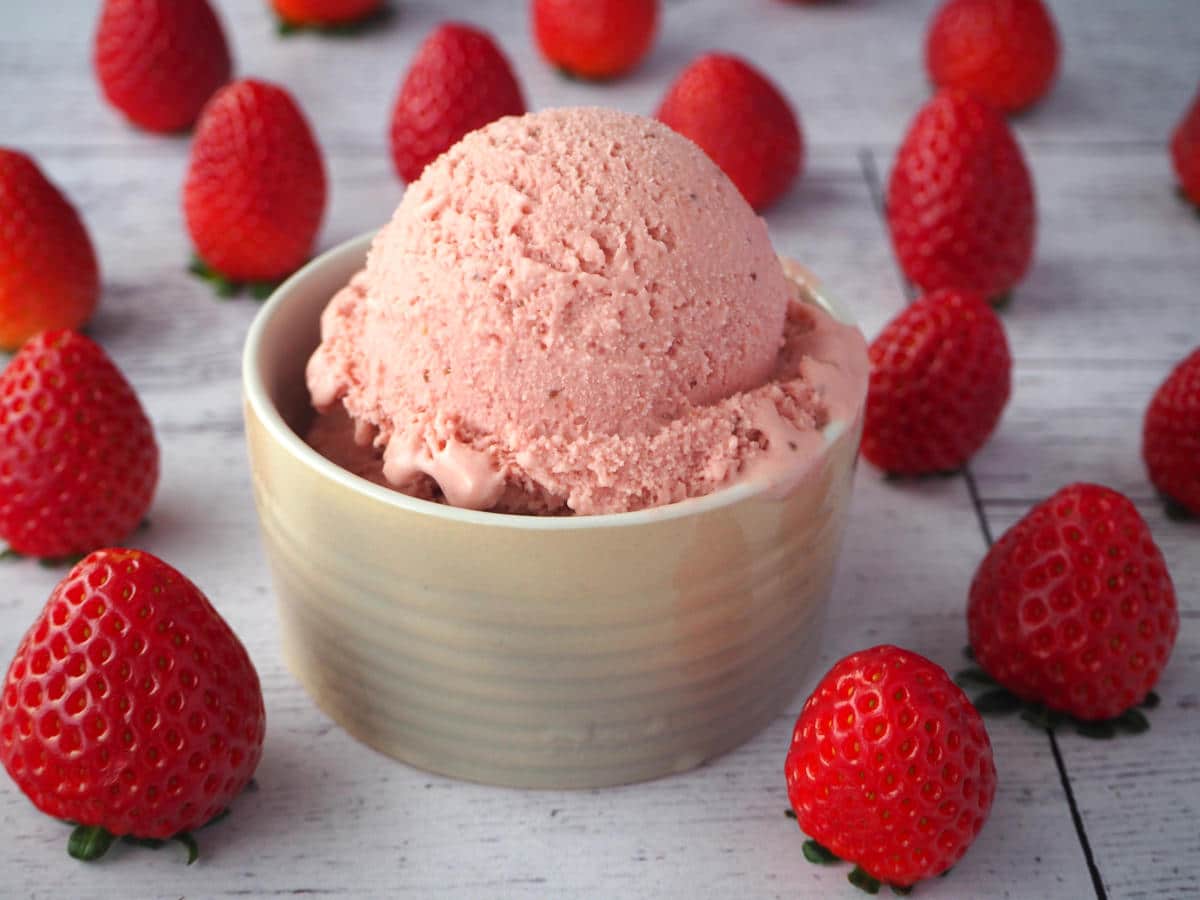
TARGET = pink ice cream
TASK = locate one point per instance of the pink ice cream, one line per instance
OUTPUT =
(576, 311)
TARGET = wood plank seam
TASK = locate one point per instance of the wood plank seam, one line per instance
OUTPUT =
(874, 186)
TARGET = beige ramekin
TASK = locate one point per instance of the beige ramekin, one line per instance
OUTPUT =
(525, 651)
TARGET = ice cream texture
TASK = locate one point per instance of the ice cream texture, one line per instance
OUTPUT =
(575, 311)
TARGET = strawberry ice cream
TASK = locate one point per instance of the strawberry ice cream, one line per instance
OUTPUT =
(575, 311)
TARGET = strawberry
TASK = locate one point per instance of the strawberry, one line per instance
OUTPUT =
(1003, 51)
(1073, 607)
(1185, 151)
(940, 378)
(595, 38)
(325, 13)
(78, 461)
(458, 81)
(960, 199)
(742, 121)
(130, 707)
(890, 767)
(1171, 435)
(158, 61)
(48, 272)
(255, 188)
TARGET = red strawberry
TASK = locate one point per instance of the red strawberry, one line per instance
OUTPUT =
(742, 121)
(78, 461)
(940, 378)
(130, 707)
(325, 13)
(1073, 607)
(1002, 51)
(1185, 151)
(1171, 435)
(255, 189)
(960, 199)
(48, 272)
(595, 38)
(158, 61)
(890, 766)
(458, 81)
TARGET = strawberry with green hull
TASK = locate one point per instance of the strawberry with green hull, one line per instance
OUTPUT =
(130, 708)
(1171, 438)
(1005, 52)
(459, 81)
(78, 459)
(941, 374)
(49, 277)
(1185, 152)
(742, 121)
(158, 61)
(327, 15)
(255, 190)
(596, 39)
(1073, 608)
(960, 204)
(890, 768)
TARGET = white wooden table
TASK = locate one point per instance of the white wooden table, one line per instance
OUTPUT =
(1112, 301)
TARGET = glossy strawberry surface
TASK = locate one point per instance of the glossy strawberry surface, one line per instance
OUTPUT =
(1074, 607)
(158, 61)
(890, 766)
(595, 38)
(1003, 51)
(941, 374)
(78, 459)
(742, 121)
(960, 203)
(459, 80)
(1171, 435)
(130, 704)
(49, 277)
(255, 190)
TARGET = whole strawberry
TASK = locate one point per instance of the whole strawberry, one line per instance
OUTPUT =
(78, 461)
(255, 188)
(960, 199)
(742, 121)
(458, 81)
(325, 13)
(1003, 51)
(940, 379)
(158, 61)
(1171, 435)
(48, 272)
(595, 38)
(1073, 607)
(1185, 151)
(130, 707)
(890, 766)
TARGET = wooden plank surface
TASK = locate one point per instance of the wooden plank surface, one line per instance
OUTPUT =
(1109, 306)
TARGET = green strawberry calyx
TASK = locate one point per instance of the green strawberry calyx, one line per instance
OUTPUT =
(997, 700)
(89, 843)
(226, 287)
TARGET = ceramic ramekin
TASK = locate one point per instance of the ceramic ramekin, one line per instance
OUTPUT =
(525, 651)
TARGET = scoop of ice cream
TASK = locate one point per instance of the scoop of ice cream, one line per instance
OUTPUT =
(558, 318)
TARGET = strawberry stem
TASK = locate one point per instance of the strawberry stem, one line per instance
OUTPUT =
(226, 287)
(1001, 301)
(815, 853)
(9, 553)
(89, 842)
(286, 29)
(863, 881)
(1176, 511)
(1001, 701)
